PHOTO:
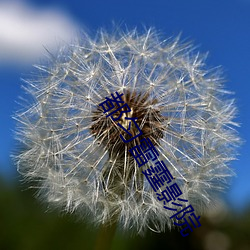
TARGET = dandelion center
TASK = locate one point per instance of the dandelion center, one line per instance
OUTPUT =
(149, 119)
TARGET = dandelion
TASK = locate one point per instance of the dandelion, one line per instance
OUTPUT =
(75, 153)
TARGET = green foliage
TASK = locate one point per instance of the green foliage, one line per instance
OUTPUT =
(25, 226)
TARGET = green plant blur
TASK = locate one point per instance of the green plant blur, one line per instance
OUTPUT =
(25, 225)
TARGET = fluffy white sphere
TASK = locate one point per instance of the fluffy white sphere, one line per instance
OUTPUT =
(74, 151)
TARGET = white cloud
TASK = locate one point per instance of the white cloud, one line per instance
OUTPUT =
(25, 31)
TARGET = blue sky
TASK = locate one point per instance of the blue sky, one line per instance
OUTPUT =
(221, 27)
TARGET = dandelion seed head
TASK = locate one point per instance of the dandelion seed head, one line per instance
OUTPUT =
(75, 153)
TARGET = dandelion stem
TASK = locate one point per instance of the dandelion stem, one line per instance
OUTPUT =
(105, 236)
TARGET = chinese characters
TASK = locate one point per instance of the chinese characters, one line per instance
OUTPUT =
(158, 175)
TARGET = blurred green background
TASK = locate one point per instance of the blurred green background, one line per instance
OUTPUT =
(27, 225)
